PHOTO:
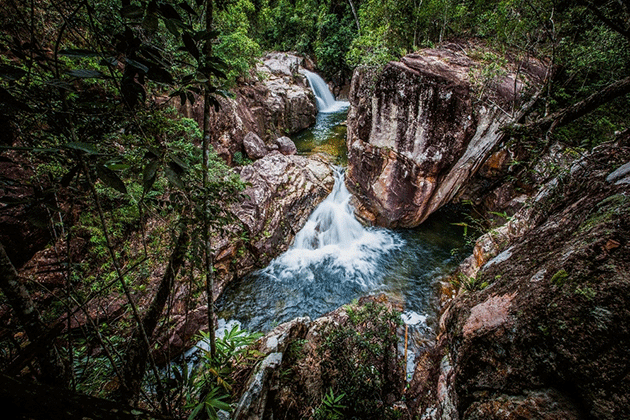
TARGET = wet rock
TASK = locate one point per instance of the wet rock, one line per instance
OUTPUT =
(286, 146)
(417, 135)
(547, 335)
(282, 193)
(253, 402)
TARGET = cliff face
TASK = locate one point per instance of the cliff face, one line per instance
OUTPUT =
(540, 326)
(418, 131)
(276, 102)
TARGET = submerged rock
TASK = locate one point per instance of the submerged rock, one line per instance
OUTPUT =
(421, 130)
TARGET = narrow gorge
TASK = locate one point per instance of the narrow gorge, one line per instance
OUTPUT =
(315, 209)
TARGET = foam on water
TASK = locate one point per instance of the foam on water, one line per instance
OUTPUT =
(326, 102)
(334, 241)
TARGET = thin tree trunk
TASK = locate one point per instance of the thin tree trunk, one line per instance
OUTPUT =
(209, 265)
(356, 19)
(26, 312)
(575, 111)
(138, 353)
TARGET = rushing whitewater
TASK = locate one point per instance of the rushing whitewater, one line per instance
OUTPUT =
(326, 102)
(333, 260)
(335, 243)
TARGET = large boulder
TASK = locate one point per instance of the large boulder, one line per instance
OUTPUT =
(541, 329)
(254, 146)
(418, 130)
(283, 191)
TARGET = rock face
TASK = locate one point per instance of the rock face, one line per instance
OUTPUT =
(352, 350)
(542, 330)
(277, 101)
(421, 130)
(284, 191)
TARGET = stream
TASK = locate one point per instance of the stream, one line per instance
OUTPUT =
(335, 260)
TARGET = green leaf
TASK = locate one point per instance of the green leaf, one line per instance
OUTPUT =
(149, 175)
(160, 75)
(151, 22)
(190, 45)
(88, 148)
(196, 411)
(179, 169)
(67, 178)
(173, 178)
(207, 70)
(11, 73)
(110, 179)
(205, 35)
(132, 11)
(172, 27)
(137, 65)
(117, 166)
(109, 61)
(86, 74)
(169, 12)
(78, 53)
(184, 6)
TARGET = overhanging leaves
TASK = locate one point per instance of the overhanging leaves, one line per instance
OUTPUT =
(86, 74)
(190, 45)
(110, 178)
(173, 178)
(149, 175)
(88, 148)
(132, 12)
(78, 53)
(11, 73)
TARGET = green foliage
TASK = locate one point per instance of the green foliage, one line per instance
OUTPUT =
(360, 362)
(235, 47)
(370, 50)
(470, 284)
(560, 278)
(331, 407)
(207, 387)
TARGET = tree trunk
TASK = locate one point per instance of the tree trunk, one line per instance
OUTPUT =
(26, 312)
(575, 111)
(356, 19)
(138, 353)
(209, 265)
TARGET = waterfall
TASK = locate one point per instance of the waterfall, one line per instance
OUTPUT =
(333, 241)
(325, 100)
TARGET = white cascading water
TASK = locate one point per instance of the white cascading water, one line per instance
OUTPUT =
(326, 102)
(333, 241)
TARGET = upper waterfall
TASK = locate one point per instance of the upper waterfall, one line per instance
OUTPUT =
(325, 100)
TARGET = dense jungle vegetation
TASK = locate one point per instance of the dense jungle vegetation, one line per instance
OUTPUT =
(121, 185)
